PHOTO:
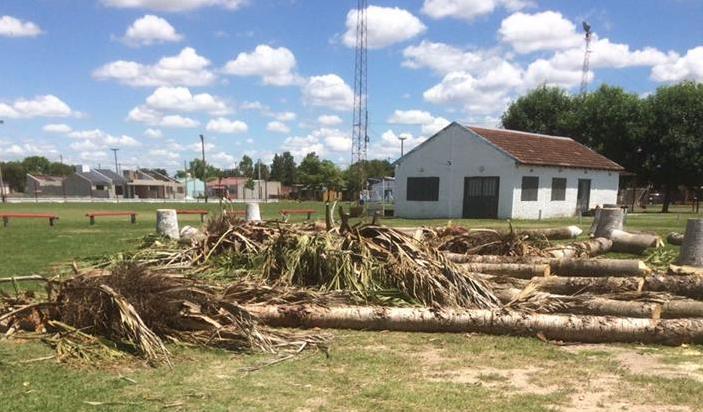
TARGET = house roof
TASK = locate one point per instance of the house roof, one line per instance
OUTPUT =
(95, 177)
(226, 181)
(47, 179)
(116, 178)
(543, 150)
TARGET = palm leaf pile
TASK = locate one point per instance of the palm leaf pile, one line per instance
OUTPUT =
(486, 242)
(137, 310)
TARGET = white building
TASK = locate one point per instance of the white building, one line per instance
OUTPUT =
(472, 172)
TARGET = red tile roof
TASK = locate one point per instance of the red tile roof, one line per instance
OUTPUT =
(542, 150)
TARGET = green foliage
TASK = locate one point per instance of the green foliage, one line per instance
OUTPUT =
(371, 168)
(261, 170)
(316, 174)
(15, 173)
(546, 110)
(283, 169)
(246, 167)
(195, 168)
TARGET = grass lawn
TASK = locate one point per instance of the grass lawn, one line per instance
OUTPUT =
(365, 370)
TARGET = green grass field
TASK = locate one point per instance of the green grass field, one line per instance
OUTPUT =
(365, 370)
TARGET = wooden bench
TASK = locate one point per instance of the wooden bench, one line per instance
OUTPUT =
(200, 212)
(7, 216)
(286, 213)
(236, 212)
(93, 215)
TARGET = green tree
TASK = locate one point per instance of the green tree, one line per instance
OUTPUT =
(283, 169)
(372, 169)
(317, 175)
(259, 166)
(60, 169)
(14, 175)
(36, 165)
(547, 110)
(672, 147)
(246, 167)
(196, 169)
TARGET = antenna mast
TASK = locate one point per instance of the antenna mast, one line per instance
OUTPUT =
(586, 58)
(360, 135)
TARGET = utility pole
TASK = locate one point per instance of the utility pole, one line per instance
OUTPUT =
(202, 147)
(259, 174)
(115, 150)
(402, 140)
(185, 173)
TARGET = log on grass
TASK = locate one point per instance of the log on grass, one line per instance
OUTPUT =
(515, 270)
(592, 247)
(575, 328)
(554, 233)
(686, 286)
(461, 258)
(675, 238)
(599, 267)
(684, 270)
(635, 243)
(691, 253)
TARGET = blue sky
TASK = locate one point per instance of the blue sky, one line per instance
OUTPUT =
(78, 77)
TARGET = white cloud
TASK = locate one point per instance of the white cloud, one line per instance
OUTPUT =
(468, 9)
(174, 5)
(443, 58)
(275, 66)
(121, 141)
(687, 67)
(255, 105)
(437, 124)
(93, 155)
(164, 153)
(14, 27)
(334, 139)
(180, 99)
(329, 120)
(145, 114)
(198, 146)
(223, 125)
(285, 116)
(18, 150)
(300, 146)
(277, 127)
(223, 160)
(96, 139)
(605, 54)
(386, 26)
(411, 117)
(57, 128)
(185, 69)
(330, 91)
(547, 30)
(40, 106)
(389, 145)
(149, 30)
(87, 134)
(153, 133)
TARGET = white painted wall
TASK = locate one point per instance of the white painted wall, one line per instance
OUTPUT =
(604, 189)
(456, 153)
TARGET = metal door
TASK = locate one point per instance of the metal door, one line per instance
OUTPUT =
(481, 197)
(583, 196)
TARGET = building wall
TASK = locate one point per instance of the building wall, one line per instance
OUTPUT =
(457, 153)
(451, 156)
(78, 186)
(32, 184)
(604, 189)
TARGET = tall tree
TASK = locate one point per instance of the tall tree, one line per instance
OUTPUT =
(673, 138)
(374, 169)
(260, 167)
(283, 169)
(60, 169)
(547, 110)
(36, 165)
(196, 169)
(246, 167)
(14, 175)
(316, 174)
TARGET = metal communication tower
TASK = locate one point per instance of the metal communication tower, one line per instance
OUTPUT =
(360, 135)
(586, 58)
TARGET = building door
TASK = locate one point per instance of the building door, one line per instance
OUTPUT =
(583, 196)
(481, 197)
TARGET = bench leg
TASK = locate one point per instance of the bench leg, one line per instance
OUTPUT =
(285, 218)
(202, 218)
(309, 215)
(51, 221)
(92, 220)
(5, 221)
(133, 219)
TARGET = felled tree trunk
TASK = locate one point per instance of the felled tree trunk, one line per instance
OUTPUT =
(576, 328)
(167, 223)
(599, 267)
(675, 238)
(555, 233)
(592, 247)
(691, 253)
(685, 270)
(687, 286)
(516, 270)
(461, 258)
(635, 243)
(607, 220)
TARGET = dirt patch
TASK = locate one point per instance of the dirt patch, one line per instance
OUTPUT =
(520, 379)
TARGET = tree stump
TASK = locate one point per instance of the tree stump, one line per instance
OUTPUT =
(167, 223)
(635, 243)
(607, 220)
(675, 238)
(253, 212)
(691, 253)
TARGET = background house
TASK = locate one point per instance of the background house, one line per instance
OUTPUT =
(476, 172)
(89, 183)
(150, 184)
(234, 188)
(42, 185)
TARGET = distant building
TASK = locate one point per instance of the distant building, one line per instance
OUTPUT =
(381, 189)
(194, 188)
(234, 188)
(149, 184)
(89, 183)
(474, 172)
(42, 185)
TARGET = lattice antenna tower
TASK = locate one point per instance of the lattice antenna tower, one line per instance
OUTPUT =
(586, 58)
(360, 135)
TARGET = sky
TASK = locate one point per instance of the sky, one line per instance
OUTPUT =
(256, 77)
